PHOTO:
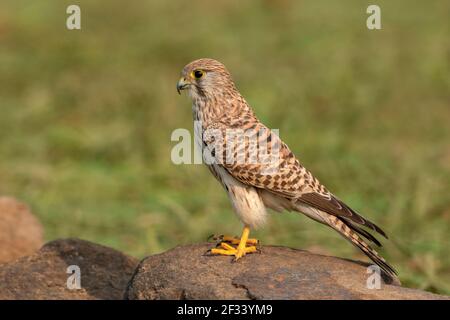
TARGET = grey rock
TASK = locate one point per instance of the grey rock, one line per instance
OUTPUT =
(276, 273)
(104, 272)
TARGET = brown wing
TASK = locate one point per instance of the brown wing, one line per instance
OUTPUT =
(282, 175)
(330, 204)
(273, 167)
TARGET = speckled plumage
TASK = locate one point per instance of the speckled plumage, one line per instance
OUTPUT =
(280, 184)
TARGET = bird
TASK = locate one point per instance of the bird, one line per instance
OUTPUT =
(255, 179)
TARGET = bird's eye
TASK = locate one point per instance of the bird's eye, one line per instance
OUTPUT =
(198, 74)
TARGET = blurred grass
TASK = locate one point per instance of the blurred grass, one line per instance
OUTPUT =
(86, 118)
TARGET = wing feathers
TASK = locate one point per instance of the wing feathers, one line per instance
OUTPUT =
(362, 232)
(336, 207)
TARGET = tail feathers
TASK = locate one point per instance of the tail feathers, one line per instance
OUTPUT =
(350, 232)
(362, 232)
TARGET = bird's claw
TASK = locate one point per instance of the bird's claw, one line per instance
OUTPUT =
(227, 250)
(231, 240)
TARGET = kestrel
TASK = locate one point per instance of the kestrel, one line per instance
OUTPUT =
(255, 184)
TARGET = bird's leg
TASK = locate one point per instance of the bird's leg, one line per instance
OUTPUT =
(242, 246)
(241, 250)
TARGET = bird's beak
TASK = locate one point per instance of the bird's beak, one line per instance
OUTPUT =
(182, 84)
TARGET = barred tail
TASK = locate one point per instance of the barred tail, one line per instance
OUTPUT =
(349, 233)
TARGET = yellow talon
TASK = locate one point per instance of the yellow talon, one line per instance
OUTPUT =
(233, 251)
(223, 252)
(235, 240)
(241, 250)
(226, 246)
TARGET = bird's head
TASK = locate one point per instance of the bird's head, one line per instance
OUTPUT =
(205, 78)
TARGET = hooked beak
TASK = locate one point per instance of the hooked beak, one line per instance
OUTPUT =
(182, 84)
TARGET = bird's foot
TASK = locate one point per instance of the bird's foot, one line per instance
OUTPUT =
(228, 250)
(233, 240)
(241, 250)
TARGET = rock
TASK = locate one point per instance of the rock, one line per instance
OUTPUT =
(20, 232)
(277, 273)
(104, 272)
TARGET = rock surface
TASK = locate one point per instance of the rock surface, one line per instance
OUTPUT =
(277, 273)
(104, 272)
(20, 232)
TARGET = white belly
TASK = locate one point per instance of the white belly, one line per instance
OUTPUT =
(246, 200)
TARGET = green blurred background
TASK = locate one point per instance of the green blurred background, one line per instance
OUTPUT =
(86, 118)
